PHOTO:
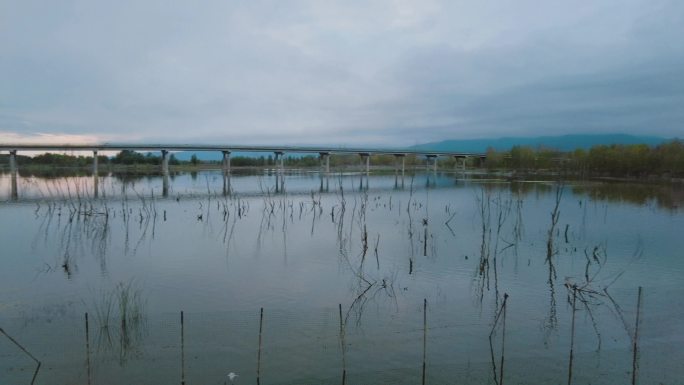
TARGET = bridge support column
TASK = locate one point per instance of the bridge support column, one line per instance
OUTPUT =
(432, 158)
(396, 163)
(14, 193)
(225, 167)
(225, 163)
(165, 172)
(325, 162)
(325, 170)
(96, 179)
(280, 169)
(403, 166)
(396, 169)
(365, 160)
(280, 160)
(13, 161)
(165, 162)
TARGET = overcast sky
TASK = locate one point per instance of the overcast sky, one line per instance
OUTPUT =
(388, 72)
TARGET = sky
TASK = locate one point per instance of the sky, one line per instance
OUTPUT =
(385, 72)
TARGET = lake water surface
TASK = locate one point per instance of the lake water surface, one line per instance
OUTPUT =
(381, 246)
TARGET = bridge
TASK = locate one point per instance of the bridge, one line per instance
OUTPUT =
(278, 151)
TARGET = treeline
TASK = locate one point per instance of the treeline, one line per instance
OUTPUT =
(665, 160)
(638, 160)
(60, 160)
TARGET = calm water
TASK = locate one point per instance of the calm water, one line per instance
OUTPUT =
(133, 259)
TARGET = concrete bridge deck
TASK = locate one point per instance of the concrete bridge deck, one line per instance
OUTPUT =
(279, 152)
(230, 148)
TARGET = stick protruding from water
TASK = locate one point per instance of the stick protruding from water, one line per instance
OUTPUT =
(87, 333)
(342, 344)
(261, 325)
(182, 321)
(424, 337)
(635, 347)
(572, 332)
(35, 374)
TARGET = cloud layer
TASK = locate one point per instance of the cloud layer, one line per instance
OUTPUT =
(393, 72)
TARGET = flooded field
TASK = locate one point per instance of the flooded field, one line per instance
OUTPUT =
(347, 278)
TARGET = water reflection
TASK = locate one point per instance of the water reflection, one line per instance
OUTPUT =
(667, 196)
(61, 183)
(378, 252)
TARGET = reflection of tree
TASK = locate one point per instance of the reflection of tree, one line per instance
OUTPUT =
(668, 196)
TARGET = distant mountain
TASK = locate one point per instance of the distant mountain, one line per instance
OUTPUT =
(562, 143)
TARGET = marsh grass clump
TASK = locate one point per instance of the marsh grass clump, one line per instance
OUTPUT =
(494, 212)
(121, 319)
(590, 292)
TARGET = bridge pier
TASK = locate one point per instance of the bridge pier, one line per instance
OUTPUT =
(165, 172)
(396, 169)
(325, 162)
(396, 163)
(165, 162)
(280, 170)
(225, 163)
(462, 162)
(324, 171)
(14, 193)
(225, 167)
(13, 161)
(365, 159)
(434, 162)
(96, 179)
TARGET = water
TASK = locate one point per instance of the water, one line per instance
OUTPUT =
(133, 259)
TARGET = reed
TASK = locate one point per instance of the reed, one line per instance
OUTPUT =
(500, 316)
(261, 326)
(87, 335)
(424, 338)
(572, 333)
(344, 348)
(182, 322)
(635, 342)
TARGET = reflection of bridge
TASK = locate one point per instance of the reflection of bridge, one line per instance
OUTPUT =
(278, 151)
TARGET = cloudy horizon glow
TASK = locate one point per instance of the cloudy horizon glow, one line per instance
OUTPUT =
(386, 72)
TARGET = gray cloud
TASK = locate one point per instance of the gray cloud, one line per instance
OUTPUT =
(384, 72)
